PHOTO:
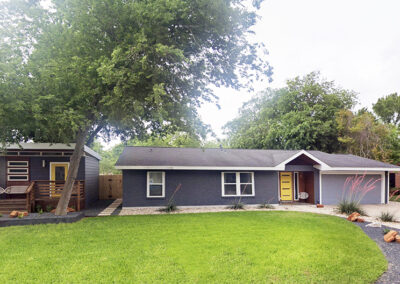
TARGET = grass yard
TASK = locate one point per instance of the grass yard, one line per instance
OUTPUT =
(229, 247)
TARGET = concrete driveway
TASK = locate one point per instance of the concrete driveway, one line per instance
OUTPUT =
(375, 210)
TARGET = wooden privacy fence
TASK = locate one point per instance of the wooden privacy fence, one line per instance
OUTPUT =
(110, 186)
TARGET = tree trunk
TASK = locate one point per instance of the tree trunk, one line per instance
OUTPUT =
(72, 173)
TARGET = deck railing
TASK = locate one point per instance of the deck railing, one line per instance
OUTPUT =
(50, 190)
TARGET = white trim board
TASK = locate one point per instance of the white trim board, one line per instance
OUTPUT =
(195, 168)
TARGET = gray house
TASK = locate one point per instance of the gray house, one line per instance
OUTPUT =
(35, 173)
(221, 176)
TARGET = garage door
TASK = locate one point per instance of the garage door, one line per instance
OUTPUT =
(333, 188)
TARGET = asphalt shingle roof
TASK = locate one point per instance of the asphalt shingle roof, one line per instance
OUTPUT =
(215, 157)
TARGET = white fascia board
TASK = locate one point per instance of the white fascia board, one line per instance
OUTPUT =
(353, 169)
(49, 146)
(198, 168)
(302, 152)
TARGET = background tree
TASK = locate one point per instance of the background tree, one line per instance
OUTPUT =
(363, 135)
(126, 68)
(299, 116)
(388, 109)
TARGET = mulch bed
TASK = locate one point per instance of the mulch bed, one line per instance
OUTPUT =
(390, 250)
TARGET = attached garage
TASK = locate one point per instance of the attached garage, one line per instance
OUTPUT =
(337, 186)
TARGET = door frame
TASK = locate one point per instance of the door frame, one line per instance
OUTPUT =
(280, 184)
(62, 163)
(52, 184)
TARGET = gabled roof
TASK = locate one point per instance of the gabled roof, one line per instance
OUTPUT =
(49, 146)
(134, 157)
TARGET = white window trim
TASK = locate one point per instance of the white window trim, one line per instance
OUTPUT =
(20, 166)
(238, 193)
(148, 185)
(9, 171)
(296, 186)
(9, 178)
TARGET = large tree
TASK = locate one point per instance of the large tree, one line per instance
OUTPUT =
(298, 116)
(363, 135)
(119, 67)
(388, 109)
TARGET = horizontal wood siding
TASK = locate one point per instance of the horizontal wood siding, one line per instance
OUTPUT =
(91, 180)
(3, 177)
(198, 188)
(38, 172)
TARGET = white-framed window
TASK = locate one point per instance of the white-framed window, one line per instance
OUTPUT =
(19, 164)
(17, 178)
(155, 185)
(237, 184)
(17, 171)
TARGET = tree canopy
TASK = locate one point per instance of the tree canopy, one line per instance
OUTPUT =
(388, 109)
(363, 135)
(129, 68)
(298, 116)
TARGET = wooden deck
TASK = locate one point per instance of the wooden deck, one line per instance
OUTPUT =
(44, 193)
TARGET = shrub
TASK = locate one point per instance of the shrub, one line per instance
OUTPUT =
(387, 217)
(39, 209)
(237, 205)
(354, 190)
(385, 231)
(348, 207)
(1, 215)
(49, 208)
(21, 215)
(170, 207)
(266, 205)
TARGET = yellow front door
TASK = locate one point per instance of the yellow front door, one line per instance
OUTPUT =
(286, 186)
(58, 172)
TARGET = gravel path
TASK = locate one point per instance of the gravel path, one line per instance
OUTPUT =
(390, 250)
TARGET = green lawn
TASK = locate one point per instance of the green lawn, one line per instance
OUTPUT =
(229, 247)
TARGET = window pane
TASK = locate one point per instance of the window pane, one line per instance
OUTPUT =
(246, 189)
(230, 177)
(155, 177)
(245, 177)
(230, 189)
(155, 190)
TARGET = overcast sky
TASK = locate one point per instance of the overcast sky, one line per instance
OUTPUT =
(356, 43)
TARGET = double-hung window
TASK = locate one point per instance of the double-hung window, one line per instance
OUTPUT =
(237, 184)
(155, 185)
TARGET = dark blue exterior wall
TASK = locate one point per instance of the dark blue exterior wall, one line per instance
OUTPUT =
(91, 180)
(3, 172)
(198, 188)
(37, 172)
(88, 171)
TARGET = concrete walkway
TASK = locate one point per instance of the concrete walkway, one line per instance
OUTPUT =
(111, 208)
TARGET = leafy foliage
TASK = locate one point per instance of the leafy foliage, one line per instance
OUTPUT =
(236, 205)
(128, 68)
(348, 207)
(363, 135)
(387, 217)
(388, 109)
(299, 116)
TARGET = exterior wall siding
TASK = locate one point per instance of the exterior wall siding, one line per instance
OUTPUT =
(37, 172)
(198, 188)
(332, 189)
(3, 177)
(91, 180)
